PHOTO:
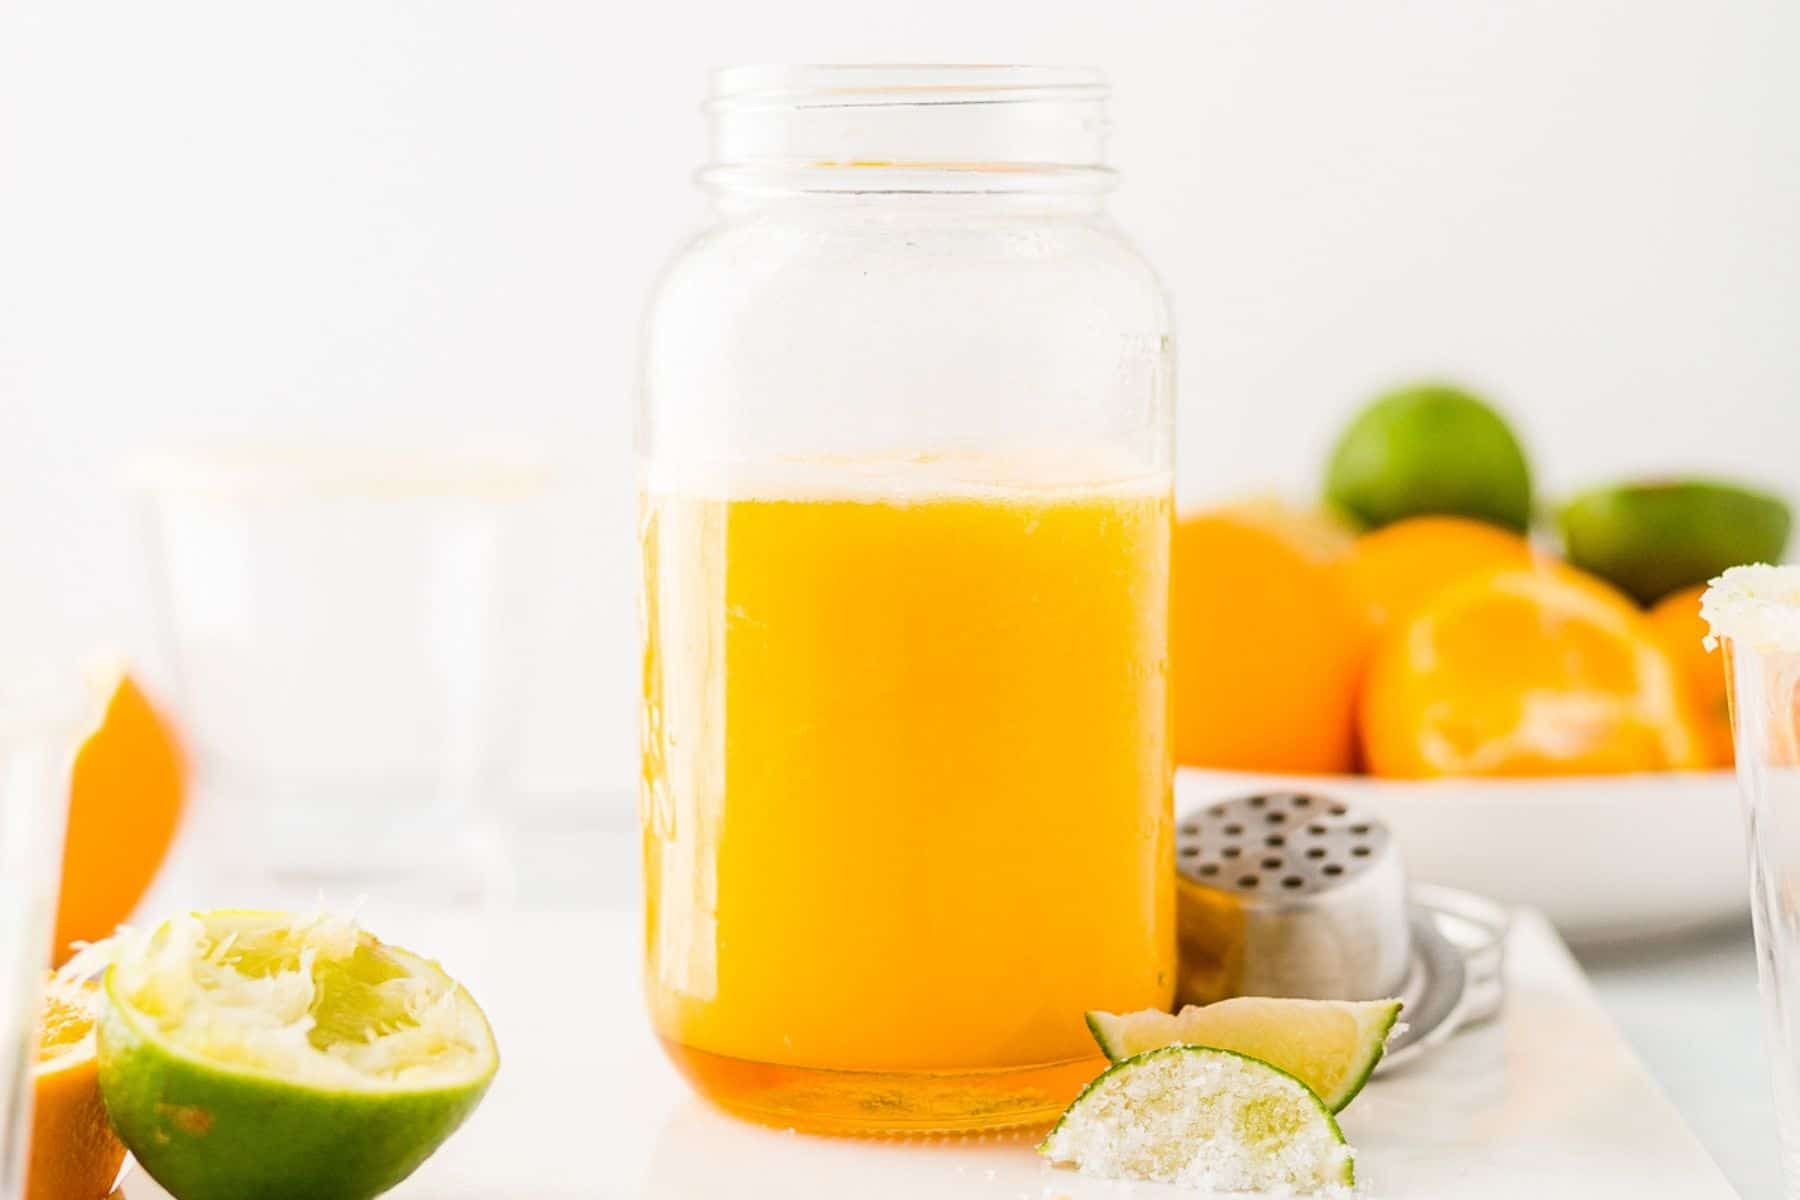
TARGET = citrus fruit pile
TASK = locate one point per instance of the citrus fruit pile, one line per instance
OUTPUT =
(1410, 626)
(1238, 1096)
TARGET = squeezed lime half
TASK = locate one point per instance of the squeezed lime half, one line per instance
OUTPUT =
(284, 1057)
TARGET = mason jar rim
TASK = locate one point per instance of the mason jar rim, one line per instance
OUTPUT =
(908, 128)
(864, 85)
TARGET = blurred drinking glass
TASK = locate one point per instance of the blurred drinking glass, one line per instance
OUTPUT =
(1754, 613)
(38, 730)
(341, 628)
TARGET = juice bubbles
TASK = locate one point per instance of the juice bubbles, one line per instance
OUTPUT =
(906, 783)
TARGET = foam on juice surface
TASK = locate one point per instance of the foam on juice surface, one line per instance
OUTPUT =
(913, 477)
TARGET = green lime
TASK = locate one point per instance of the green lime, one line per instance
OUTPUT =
(284, 1057)
(1332, 1046)
(1203, 1118)
(1430, 449)
(1651, 539)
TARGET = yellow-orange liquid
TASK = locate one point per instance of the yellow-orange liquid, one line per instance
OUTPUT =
(906, 790)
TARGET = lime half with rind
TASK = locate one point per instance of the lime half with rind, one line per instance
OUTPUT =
(284, 1057)
(1204, 1118)
(1656, 537)
(1332, 1046)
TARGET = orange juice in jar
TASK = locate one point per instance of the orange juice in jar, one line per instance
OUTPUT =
(906, 794)
(905, 516)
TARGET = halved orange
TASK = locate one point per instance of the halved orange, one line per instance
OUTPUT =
(1397, 569)
(1526, 671)
(74, 1153)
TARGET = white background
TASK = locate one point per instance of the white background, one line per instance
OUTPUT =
(433, 221)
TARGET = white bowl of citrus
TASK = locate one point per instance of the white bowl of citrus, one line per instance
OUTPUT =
(1542, 725)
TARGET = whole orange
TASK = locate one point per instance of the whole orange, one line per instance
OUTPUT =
(125, 798)
(1396, 569)
(1264, 641)
(1526, 671)
(1679, 627)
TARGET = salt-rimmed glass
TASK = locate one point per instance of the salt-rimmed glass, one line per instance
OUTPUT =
(1754, 613)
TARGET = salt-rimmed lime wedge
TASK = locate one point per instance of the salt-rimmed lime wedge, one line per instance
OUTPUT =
(1332, 1046)
(284, 1057)
(1204, 1118)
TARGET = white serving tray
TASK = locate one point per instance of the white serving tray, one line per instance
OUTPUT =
(1548, 1103)
(1607, 858)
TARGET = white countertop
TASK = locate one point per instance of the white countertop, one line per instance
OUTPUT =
(1689, 1010)
(1688, 1007)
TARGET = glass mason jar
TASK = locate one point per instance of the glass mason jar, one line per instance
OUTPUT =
(905, 507)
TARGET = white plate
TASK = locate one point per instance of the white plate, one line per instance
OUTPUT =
(1608, 858)
(1548, 1102)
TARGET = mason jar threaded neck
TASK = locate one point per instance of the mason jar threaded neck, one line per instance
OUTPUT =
(908, 128)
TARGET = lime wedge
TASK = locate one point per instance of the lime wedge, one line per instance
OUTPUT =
(281, 1056)
(1332, 1046)
(1203, 1118)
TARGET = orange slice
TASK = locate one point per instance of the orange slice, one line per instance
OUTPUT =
(1397, 569)
(1533, 671)
(124, 806)
(74, 1152)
